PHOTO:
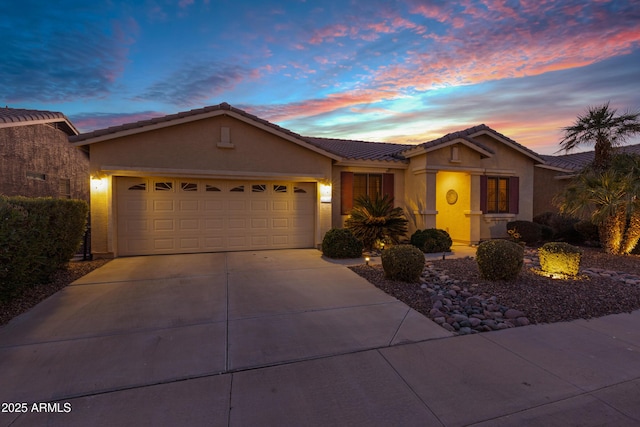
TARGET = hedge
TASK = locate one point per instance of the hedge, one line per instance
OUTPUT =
(37, 237)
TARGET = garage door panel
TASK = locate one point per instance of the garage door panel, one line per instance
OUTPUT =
(178, 215)
(189, 205)
(162, 205)
(163, 225)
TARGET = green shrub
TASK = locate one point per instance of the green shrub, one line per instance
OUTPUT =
(546, 233)
(403, 262)
(341, 243)
(37, 237)
(432, 240)
(560, 257)
(499, 259)
(588, 230)
(529, 231)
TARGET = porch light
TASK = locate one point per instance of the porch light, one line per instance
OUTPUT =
(366, 260)
(98, 182)
(325, 193)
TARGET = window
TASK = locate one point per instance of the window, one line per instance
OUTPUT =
(209, 187)
(258, 188)
(37, 176)
(64, 189)
(139, 187)
(164, 186)
(354, 185)
(299, 190)
(280, 188)
(189, 186)
(238, 189)
(499, 194)
(366, 184)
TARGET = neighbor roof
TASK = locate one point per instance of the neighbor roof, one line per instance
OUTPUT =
(12, 117)
(576, 161)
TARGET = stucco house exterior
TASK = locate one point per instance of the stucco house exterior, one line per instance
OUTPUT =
(36, 158)
(221, 179)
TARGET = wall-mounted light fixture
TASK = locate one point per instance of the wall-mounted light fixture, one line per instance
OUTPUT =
(98, 182)
(325, 193)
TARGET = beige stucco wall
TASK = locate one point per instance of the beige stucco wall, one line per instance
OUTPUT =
(546, 185)
(191, 149)
(430, 175)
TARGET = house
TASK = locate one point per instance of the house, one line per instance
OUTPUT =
(36, 158)
(221, 179)
(552, 176)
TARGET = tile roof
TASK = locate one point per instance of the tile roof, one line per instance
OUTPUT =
(577, 161)
(361, 150)
(19, 116)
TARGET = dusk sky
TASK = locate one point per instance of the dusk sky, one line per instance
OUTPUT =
(387, 71)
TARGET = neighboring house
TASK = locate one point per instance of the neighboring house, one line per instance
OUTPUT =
(551, 177)
(220, 179)
(36, 158)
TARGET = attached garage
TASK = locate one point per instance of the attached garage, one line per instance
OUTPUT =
(159, 215)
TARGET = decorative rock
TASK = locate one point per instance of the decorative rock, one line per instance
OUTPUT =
(513, 314)
(475, 322)
(439, 320)
(465, 331)
(522, 321)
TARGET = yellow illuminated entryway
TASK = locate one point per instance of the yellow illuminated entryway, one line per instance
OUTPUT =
(453, 202)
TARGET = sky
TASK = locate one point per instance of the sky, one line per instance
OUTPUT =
(386, 71)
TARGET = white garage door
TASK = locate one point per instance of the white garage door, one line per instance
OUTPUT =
(178, 215)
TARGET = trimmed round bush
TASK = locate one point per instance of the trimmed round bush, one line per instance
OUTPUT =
(560, 257)
(403, 262)
(529, 231)
(341, 243)
(432, 240)
(499, 259)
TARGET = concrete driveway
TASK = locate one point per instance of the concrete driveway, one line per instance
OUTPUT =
(287, 338)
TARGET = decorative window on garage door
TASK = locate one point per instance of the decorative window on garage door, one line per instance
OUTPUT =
(189, 186)
(164, 186)
(279, 188)
(139, 187)
(209, 187)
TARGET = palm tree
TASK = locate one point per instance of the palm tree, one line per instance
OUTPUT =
(376, 220)
(601, 127)
(610, 197)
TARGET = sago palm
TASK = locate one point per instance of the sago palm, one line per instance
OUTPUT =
(376, 220)
(610, 198)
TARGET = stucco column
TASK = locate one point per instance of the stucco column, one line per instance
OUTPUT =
(475, 212)
(430, 211)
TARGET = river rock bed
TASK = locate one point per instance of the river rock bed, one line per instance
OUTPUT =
(452, 294)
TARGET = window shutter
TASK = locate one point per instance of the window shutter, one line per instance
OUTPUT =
(514, 194)
(387, 184)
(346, 192)
(483, 193)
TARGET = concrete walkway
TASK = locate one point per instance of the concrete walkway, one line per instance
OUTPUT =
(286, 338)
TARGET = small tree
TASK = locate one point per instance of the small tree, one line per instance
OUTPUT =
(601, 127)
(376, 220)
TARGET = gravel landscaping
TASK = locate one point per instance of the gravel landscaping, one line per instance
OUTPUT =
(34, 294)
(451, 292)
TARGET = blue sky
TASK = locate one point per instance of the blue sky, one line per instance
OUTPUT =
(393, 71)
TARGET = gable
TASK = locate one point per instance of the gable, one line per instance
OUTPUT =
(221, 144)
